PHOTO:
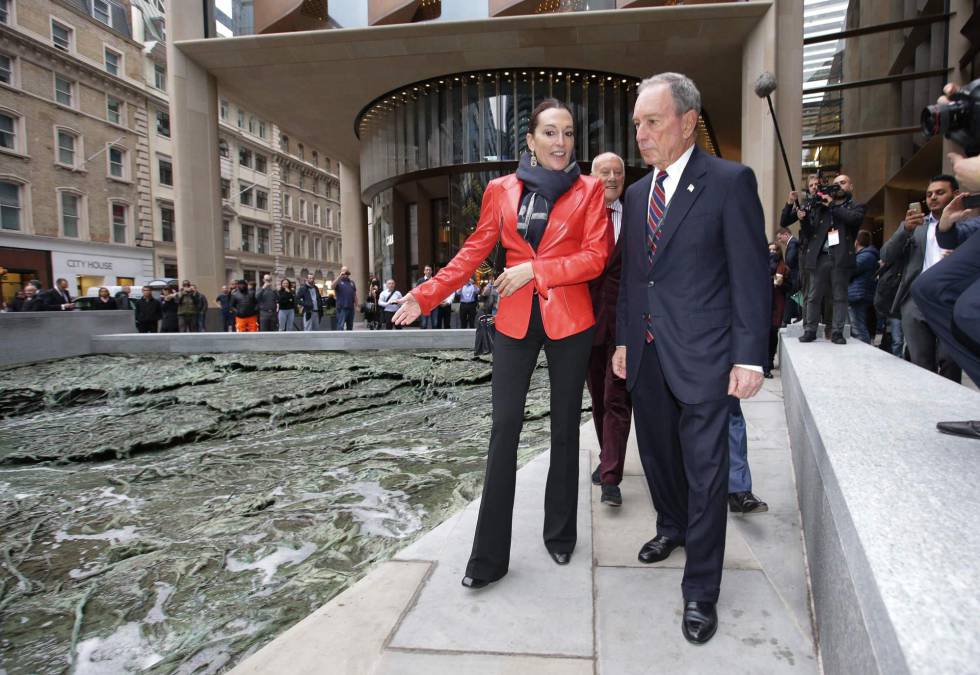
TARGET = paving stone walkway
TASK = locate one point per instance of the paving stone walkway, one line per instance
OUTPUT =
(604, 613)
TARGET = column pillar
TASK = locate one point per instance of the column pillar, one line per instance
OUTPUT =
(774, 45)
(197, 172)
(353, 226)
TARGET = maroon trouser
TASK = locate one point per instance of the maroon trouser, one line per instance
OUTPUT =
(611, 409)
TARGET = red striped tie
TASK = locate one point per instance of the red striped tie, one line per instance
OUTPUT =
(655, 218)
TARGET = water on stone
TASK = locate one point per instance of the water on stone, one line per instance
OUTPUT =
(172, 514)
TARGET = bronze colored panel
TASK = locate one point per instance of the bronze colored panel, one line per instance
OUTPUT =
(384, 12)
(287, 16)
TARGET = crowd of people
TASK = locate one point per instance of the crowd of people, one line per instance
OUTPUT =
(834, 273)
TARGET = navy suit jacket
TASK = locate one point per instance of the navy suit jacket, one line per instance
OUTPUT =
(957, 234)
(708, 292)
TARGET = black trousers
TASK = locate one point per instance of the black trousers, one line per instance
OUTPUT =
(827, 279)
(948, 295)
(513, 363)
(467, 315)
(146, 326)
(684, 452)
(268, 324)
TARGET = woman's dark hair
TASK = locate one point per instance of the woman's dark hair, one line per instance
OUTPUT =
(779, 250)
(103, 288)
(285, 281)
(546, 104)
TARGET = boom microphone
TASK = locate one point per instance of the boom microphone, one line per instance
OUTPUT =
(764, 86)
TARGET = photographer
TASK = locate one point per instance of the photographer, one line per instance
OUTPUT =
(949, 293)
(913, 249)
(829, 226)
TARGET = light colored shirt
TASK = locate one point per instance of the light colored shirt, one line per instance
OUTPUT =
(388, 298)
(933, 253)
(468, 293)
(674, 173)
(617, 217)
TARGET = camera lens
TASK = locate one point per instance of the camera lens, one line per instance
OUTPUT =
(945, 118)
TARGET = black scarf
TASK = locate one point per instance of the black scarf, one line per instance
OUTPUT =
(542, 188)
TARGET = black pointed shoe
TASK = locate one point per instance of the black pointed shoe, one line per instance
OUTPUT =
(746, 502)
(611, 495)
(838, 339)
(808, 336)
(969, 429)
(700, 622)
(657, 549)
(561, 558)
(474, 584)
(596, 478)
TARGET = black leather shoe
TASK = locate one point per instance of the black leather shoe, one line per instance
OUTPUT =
(808, 336)
(657, 549)
(968, 429)
(612, 495)
(767, 373)
(838, 339)
(700, 622)
(561, 558)
(746, 502)
(596, 478)
(474, 584)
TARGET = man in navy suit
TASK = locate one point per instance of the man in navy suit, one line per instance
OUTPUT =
(692, 326)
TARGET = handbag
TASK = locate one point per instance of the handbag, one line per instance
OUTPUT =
(486, 331)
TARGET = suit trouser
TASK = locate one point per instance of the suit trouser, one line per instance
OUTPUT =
(268, 322)
(513, 363)
(823, 280)
(684, 449)
(467, 314)
(925, 348)
(611, 411)
(948, 294)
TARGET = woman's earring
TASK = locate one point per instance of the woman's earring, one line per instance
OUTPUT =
(534, 159)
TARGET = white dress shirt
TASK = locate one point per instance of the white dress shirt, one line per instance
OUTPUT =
(617, 218)
(933, 253)
(674, 173)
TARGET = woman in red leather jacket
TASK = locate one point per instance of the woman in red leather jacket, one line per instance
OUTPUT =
(551, 221)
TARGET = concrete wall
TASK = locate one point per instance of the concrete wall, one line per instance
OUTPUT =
(889, 509)
(40, 336)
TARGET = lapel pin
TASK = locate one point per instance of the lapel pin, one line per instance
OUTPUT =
(690, 187)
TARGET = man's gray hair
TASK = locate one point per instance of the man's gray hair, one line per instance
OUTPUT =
(607, 155)
(682, 88)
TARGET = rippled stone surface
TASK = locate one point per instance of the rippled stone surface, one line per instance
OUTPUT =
(174, 513)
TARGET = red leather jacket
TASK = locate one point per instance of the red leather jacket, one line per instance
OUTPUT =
(572, 251)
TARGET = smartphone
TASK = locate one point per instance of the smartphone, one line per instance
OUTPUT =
(915, 207)
(972, 201)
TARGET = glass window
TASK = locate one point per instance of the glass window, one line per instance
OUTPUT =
(302, 245)
(160, 76)
(163, 123)
(223, 148)
(262, 200)
(261, 129)
(226, 233)
(287, 206)
(117, 162)
(252, 124)
(166, 172)
(119, 229)
(167, 223)
(316, 248)
(245, 157)
(6, 69)
(316, 158)
(296, 250)
(248, 232)
(284, 143)
(316, 214)
(8, 132)
(114, 108)
(245, 196)
(101, 11)
(61, 36)
(225, 189)
(223, 105)
(111, 61)
(69, 214)
(241, 119)
(260, 163)
(302, 210)
(66, 148)
(263, 244)
(299, 149)
(287, 242)
(9, 206)
(4, 11)
(63, 90)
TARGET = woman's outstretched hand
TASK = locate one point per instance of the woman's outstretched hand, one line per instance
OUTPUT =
(408, 311)
(514, 278)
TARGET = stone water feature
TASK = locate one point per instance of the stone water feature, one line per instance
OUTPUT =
(171, 514)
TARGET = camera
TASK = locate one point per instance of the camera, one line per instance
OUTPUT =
(833, 190)
(958, 120)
